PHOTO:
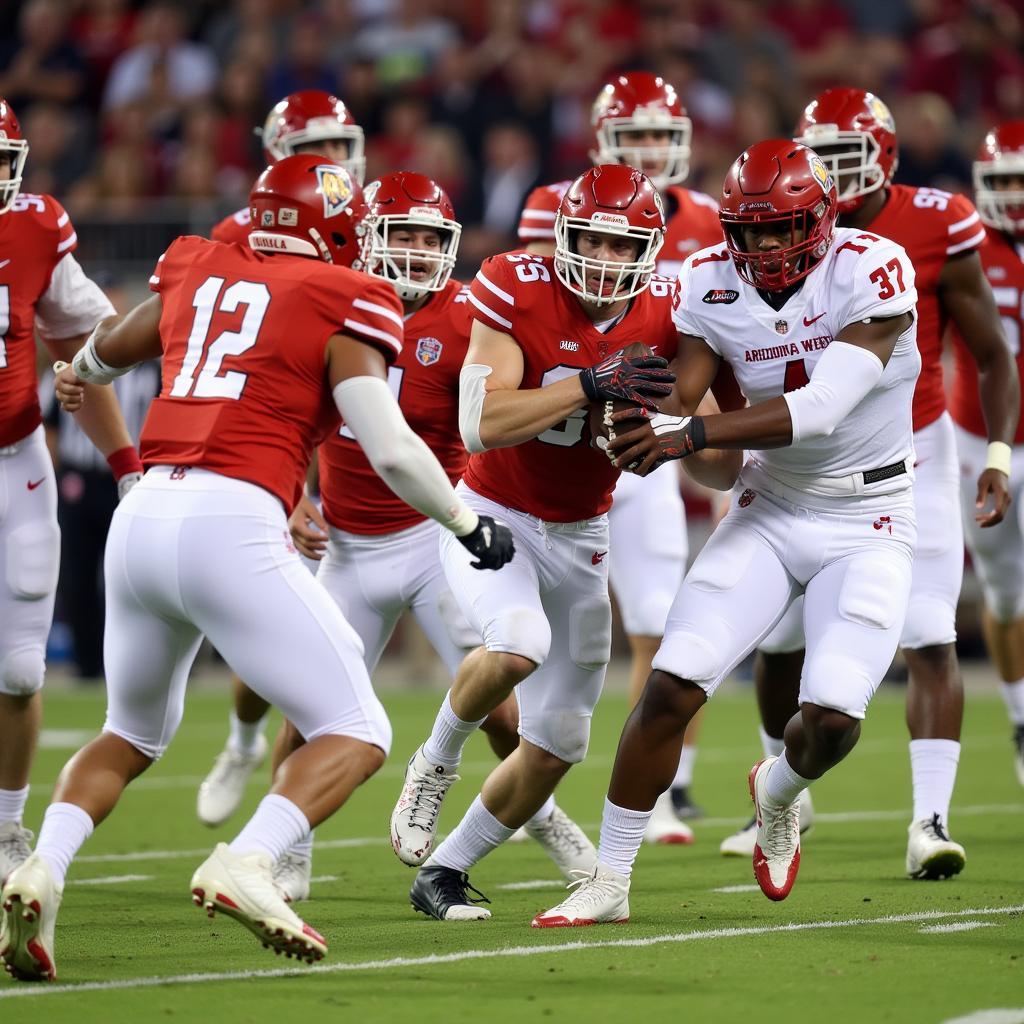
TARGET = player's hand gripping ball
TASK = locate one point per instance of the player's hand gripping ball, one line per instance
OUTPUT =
(602, 429)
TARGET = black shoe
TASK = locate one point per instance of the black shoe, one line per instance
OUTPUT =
(684, 807)
(442, 893)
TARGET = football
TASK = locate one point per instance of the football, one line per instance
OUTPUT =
(600, 416)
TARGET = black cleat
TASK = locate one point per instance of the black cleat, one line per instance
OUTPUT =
(682, 804)
(442, 893)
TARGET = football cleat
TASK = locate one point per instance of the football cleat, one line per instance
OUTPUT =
(30, 902)
(601, 897)
(291, 875)
(684, 807)
(414, 819)
(1018, 752)
(15, 847)
(443, 893)
(664, 827)
(930, 851)
(242, 886)
(564, 842)
(222, 790)
(741, 843)
(777, 842)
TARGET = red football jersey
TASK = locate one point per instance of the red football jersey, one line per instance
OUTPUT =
(425, 381)
(244, 385)
(35, 235)
(557, 476)
(234, 227)
(691, 222)
(1003, 261)
(932, 226)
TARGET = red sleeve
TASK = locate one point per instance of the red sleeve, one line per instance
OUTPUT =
(56, 219)
(177, 253)
(492, 294)
(375, 317)
(964, 229)
(537, 221)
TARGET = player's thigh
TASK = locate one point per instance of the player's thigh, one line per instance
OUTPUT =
(648, 548)
(939, 557)
(788, 635)
(853, 615)
(733, 595)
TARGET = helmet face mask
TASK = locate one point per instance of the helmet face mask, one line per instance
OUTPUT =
(999, 179)
(16, 149)
(852, 158)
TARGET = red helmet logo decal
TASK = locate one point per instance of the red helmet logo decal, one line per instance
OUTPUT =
(334, 187)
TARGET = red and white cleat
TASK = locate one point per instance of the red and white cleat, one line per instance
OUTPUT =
(243, 888)
(777, 846)
(30, 902)
(665, 828)
(601, 897)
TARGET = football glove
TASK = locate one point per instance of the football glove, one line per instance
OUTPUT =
(491, 542)
(639, 380)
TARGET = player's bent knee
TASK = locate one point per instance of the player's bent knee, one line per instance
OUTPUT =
(33, 560)
(930, 622)
(838, 682)
(1005, 605)
(692, 657)
(590, 632)
(21, 672)
(525, 632)
(562, 733)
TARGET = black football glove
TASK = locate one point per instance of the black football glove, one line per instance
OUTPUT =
(639, 380)
(491, 542)
(680, 436)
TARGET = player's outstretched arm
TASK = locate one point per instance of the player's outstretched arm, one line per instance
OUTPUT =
(968, 299)
(358, 381)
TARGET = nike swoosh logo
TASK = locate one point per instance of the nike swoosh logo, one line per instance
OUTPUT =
(3, 263)
(807, 323)
(32, 486)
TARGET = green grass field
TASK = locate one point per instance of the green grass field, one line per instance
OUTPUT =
(855, 941)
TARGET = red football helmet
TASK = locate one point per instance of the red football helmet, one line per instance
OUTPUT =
(1001, 157)
(639, 101)
(779, 182)
(854, 133)
(312, 116)
(610, 199)
(409, 201)
(309, 207)
(12, 143)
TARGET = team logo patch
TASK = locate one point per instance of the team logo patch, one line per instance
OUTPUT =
(781, 326)
(288, 217)
(616, 220)
(882, 113)
(267, 219)
(747, 497)
(428, 351)
(822, 175)
(759, 205)
(569, 346)
(720, 296)
(334, 187)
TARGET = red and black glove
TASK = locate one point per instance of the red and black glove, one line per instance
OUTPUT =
(639, 380)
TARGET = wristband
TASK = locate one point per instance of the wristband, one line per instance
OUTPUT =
(999, 453)
(463, 520)
(124, 461)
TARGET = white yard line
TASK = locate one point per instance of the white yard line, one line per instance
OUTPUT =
(738, 888)
(958, 926)
(111, 880)
(537, 883)
(992, 1016)
(36, 991)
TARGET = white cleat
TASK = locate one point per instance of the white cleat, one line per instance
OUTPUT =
(291, 875)
(15, 847)
(741, 843)
(601, 897)
(243, 888)
(564, 842)
(414, 819)
(30, 903)
(777, 843)
(665, 827)
(930, 851)
(222, 790)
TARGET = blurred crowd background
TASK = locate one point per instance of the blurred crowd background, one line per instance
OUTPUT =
(141, 115)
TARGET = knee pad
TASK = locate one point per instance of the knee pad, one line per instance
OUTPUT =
(930, 622)
(590, 632)
(691, 656)
(1005, 606)
(367, 721)
(565, 733)
(523, 631)
(874, 593)
(838, 681)
(21, 672)
(33, 560)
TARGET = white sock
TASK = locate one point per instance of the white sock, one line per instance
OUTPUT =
(12, 804)
(770, 745)
(933, 769)
(622, 833)
(277, 826)
(245, 736)
(1013, 696)
(544, 813)
(304, 847)
(473, 838)
(448, 737)
(783, 785)
(684, 773)
(65, 828)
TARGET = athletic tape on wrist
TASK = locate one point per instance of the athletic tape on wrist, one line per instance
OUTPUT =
(999, 456)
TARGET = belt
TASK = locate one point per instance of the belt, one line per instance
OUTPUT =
(874, 476)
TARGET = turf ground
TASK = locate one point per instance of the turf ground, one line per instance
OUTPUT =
(855, 941)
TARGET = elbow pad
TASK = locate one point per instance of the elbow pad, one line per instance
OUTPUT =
(472, 392)
(841, 380)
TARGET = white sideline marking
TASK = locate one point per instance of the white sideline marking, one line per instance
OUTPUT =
(992, 1016)
(111, 879)
(323, 878)
(492, 954)
(738, 888)
(64, 739)
(119, 858)
(958, 926)
(537, 883)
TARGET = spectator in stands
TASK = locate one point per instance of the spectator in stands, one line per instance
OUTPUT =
(405, 47)
(305, 64)
(60, 150)
(101, 31)
(928, 144)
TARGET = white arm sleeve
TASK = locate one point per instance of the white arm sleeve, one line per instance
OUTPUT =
(399, 457)
(841, 379)
(72, 304)
(472, 392)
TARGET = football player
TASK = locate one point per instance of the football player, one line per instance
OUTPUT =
(382, 556)
(638, 120)
(853, 132)
(42, 290)
(546, 341)
(997, 551)
(262, 346)
(818, 325)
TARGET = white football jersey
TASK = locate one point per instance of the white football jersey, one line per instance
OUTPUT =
(775, 351)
